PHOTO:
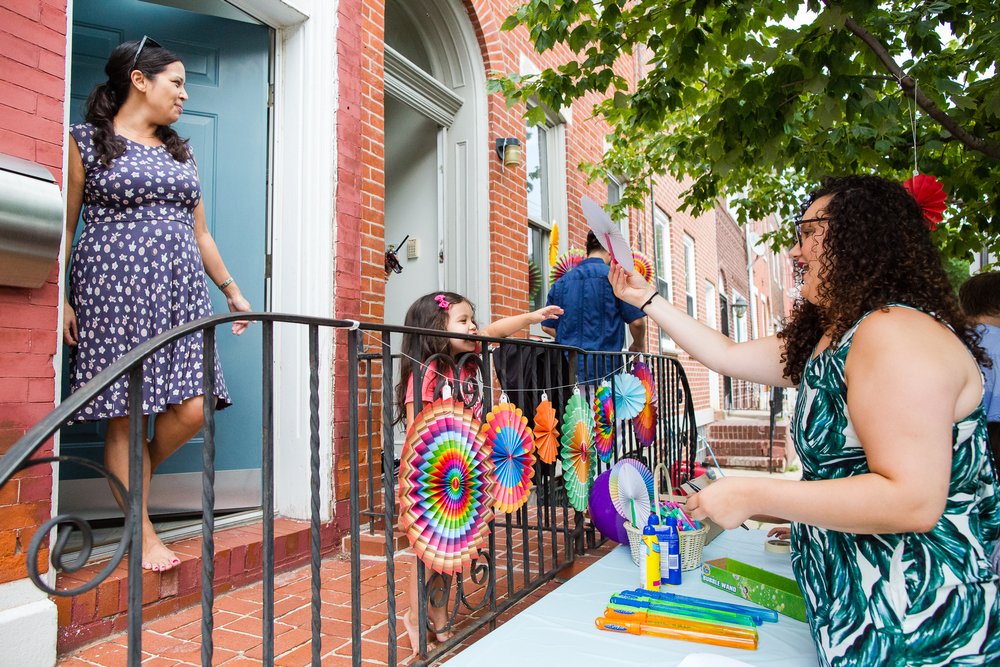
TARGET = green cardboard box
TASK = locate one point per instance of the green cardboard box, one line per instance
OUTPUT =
(752, 583)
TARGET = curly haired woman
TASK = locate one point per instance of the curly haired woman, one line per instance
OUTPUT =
(898, 498)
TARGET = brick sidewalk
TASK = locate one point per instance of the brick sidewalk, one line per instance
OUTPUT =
(175, 640)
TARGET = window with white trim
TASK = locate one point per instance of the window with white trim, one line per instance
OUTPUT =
(690, 294)
(545, 190)
(664, 266)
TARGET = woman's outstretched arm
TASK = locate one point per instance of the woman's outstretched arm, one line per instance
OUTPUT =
(756, 360)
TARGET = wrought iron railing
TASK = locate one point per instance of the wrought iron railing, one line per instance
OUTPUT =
(526, 548)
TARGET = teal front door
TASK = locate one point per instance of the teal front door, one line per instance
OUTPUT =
(226, 56)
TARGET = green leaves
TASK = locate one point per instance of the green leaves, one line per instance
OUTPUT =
(739, 97)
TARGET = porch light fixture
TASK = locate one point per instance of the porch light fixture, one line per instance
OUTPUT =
(509, 151)
(739, 307)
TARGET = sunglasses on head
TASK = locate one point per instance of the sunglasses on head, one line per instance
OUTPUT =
(146, 40)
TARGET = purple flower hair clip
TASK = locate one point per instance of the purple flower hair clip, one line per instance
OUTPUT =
(442, 302)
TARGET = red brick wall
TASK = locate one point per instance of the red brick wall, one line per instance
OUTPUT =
(32, 83)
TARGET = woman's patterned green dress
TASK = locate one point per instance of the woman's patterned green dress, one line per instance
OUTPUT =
(899, 599)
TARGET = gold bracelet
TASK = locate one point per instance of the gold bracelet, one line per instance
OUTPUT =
(225, 283)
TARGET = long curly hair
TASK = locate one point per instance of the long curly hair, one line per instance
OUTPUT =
(424, 313)
(877, 251)
(107, 98)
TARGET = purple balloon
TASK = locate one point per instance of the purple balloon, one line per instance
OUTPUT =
(603, 513)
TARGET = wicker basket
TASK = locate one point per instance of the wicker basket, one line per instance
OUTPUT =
(692, 544)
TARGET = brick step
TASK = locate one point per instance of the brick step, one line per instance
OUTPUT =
(238, 559)
(752, 462)
(373, 545)
(747, 446)
(744, 432)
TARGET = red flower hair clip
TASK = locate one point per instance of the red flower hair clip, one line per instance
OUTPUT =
(931, 196)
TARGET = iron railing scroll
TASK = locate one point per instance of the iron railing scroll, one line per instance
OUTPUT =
(525, 548)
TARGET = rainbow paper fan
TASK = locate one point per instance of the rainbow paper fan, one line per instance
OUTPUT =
(511, 445)
(566, 263)
(444, 503)
(604, 422)
(631, 487)
(577, 451)
(534, 279)
(546, 432)
(643, 265)
(644, 424)
(630, 396)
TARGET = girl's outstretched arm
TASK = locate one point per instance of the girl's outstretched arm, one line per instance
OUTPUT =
(757, 360)
(508, 325)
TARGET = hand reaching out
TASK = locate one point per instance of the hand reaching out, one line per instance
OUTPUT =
(632, 289)
(546, 313)
(780, 532)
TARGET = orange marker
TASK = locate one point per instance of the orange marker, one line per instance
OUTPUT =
(625, 627)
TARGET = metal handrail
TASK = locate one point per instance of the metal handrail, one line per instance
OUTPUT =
(672, 391)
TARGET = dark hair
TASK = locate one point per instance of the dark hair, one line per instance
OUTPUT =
(877, 251)
(424, 313)
(980, 295)
(593, 244)
(107, 98)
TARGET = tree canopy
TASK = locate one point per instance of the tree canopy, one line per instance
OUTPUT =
(758, 100)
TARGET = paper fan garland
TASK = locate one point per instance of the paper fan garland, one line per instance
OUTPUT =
(931, 196)
(643, 265)
(644, 424)
(631, 487)
(534, 279)
(511, 445)
(630, 396)
(444, 503)
(566, 263)
(546, 431)
(604, 422)
(577, 451)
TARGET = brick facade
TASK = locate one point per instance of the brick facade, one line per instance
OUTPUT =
(32, 85)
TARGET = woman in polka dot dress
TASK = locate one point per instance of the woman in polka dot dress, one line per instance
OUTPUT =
(139, 266)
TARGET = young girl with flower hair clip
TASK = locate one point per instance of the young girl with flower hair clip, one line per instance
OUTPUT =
(439, 357)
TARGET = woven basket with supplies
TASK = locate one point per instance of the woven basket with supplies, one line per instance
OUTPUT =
(692, 541)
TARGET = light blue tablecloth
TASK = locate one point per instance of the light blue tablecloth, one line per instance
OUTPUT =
(559, 628)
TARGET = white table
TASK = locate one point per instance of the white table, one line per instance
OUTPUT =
(559, 628)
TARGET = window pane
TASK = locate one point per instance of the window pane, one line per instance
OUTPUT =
(536, 163)
(538, 244)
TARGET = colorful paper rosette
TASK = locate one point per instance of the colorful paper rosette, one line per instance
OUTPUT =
(444, 501)
(534, 279)
(643, 265)
(566, 263)
(630, 485)
(512, 453)
(604, 422)
(630, 396)
(546, 431)
(577, 451)
(644, 424)
(931, 196)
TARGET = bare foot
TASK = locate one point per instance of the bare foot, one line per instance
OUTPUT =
(413, 632)
(155, 555)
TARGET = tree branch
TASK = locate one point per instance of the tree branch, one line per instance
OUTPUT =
(909, 87)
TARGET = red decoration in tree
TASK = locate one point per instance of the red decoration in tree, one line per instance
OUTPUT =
(931, 196)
